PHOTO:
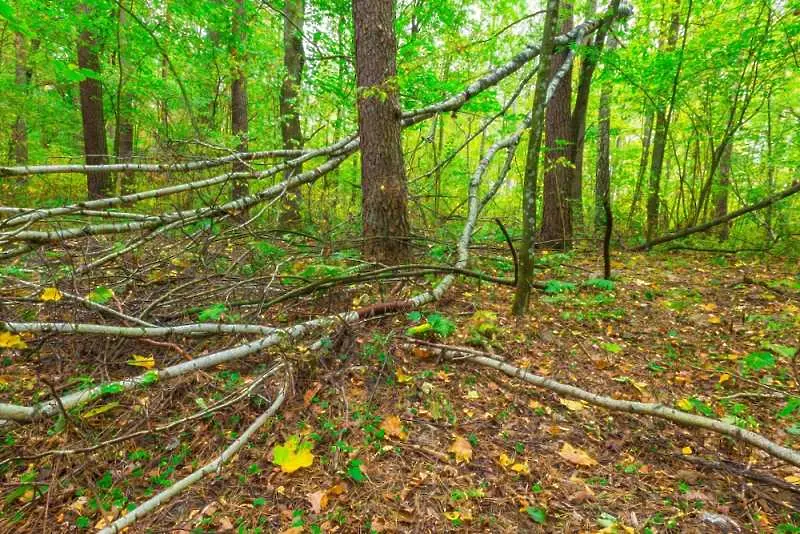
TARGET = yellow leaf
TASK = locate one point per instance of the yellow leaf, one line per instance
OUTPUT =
(462, 450)
(576, 456)
(709, 307)
(685, 405)
(100, 409)
(792, 479)
(50, 294)
(452, 516)
(523, 469)
(714, 319)
(148, 362)
(504, 460)
(402, 377)
(472, 394)
(686, 451)
(392, 426)
(293, 454)
(724, 377)
(11, 341)
(573, 406)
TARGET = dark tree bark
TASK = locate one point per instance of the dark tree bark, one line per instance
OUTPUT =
(239, 123)
(291, 130)
(529, 188)
(123, 133)
(384, 201)
(558, 175)
(602, 184)
(99, 184)
(22, 79)
(721, 202)
(663, 118)
(578, 122)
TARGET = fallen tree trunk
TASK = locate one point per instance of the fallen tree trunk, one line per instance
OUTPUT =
(769, 201)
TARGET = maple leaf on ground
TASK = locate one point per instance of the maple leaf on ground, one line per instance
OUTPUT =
(148, 362)
(571, 405)
(392, 426)
(293, 454)
(50, 294)
(11, 341)
(462, 450)
(576, 456)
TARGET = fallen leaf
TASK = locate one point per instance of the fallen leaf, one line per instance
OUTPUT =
(318, 500)
(309, 395)
(462, 450)
(724, 377)
(293, 454)
(392, 426)
(576, 456)
(137, 360)
(714, 319)
(504, 460)
(685, 405)
(522, 469)
(50, 294)
(686, 451)
(402, 377)
(573, 406)
(11, 341)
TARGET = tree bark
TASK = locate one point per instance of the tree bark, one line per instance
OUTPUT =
(722, 194)
(529, 188)
(123, 133)
(647, 134)
(99, 184)
(559, 146)
(22, 79)
(663, 116)
(578, 122)
(239, 123)
(291, 130)
(602, 185)
(384, 201)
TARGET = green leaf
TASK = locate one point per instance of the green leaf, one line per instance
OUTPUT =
(441, 325)
(791, 406)
(539, 515)
(756, 361)
(82, 522)
(100, 409)
(701, 407)
(354, 470)
(611, 347)
(101, 295)
(212, 313)
(556, 286)
(600, 283)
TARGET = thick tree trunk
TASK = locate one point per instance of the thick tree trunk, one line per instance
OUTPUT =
(663, 116)
(123, 133)
(291, 131)
(721, 201)
(384, 201)
(99, 184)
(558, 176)
(239, 123)
(529, 188)
(602, 184)
(578, 123)
(22, 79)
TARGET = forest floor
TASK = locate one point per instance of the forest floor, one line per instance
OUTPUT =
(404, 440)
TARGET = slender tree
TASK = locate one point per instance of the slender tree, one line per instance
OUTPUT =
(529, 188)
(291, 129)
(99, 184)
(384, 201)
(602, 185)
(239, 122)
(123, 132)
(23, 74)
(721, 202)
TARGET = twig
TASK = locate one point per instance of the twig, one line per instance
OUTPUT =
(740, 470)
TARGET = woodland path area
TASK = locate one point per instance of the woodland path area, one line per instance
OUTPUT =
(281, 267)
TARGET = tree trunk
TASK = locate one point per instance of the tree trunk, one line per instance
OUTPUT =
(384, 201)
(291, 131)
(559, 145)
(22, 79)
(239, 124)
(578, 122)
(663, 116)
(529, 188)
(602, 185)
(123, 133)
(722, 195)
(99, 184)
(647, 134)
